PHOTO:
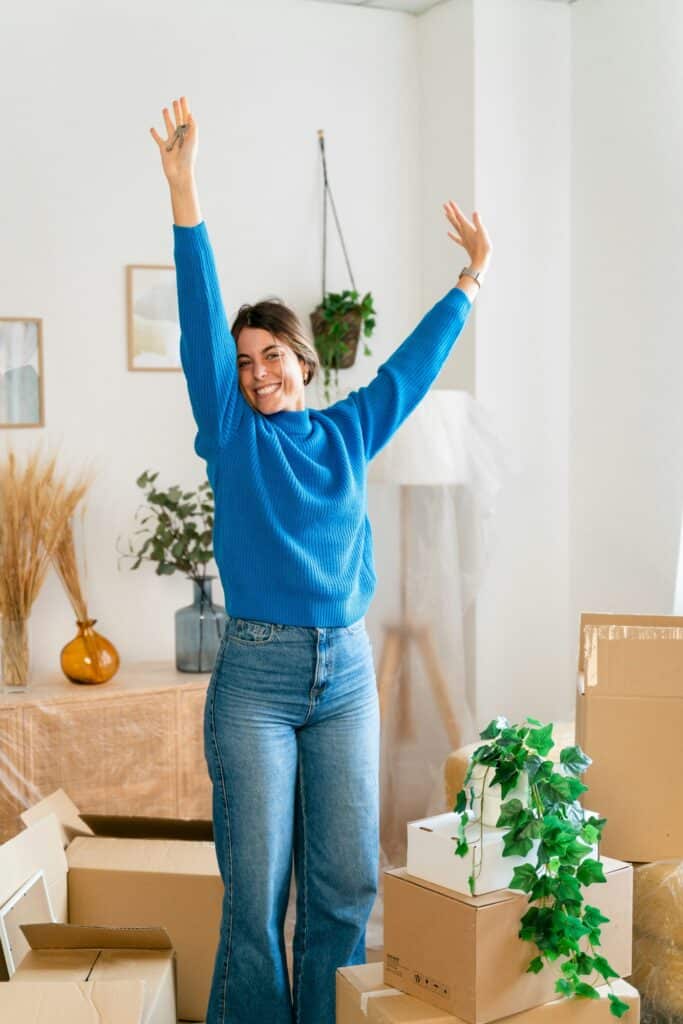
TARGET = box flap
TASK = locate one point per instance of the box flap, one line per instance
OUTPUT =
(80, 936)
(158, 856)
(78, 1002)
(127, 827)
(67, 814)
(595, 619)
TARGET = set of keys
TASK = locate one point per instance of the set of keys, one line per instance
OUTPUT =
(179, 134)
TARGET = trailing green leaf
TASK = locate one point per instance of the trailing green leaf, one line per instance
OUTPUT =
(557, 921)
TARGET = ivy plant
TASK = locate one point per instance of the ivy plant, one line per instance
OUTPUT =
(177, 527)
(333, 335)
(558, 922)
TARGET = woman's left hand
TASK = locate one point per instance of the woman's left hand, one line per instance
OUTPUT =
(471, 235)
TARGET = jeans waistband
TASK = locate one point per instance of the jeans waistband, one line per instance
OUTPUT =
(254, 629)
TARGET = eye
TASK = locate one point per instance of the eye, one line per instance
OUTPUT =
(274, 355)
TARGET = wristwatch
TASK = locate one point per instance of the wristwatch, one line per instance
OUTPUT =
(476, 275)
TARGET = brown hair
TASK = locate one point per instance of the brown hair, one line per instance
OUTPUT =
(274, 316)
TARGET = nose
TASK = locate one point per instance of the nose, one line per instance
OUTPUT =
(259, 372)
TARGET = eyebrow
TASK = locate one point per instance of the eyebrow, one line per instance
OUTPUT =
(243, 355)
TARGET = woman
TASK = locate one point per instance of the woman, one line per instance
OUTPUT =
(291, 716)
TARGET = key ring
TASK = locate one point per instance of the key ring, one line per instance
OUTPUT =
(179, 134)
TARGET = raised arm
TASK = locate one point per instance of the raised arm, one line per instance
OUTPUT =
(406, 377)
(207, 350)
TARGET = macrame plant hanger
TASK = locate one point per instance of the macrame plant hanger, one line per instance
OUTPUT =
(327, 195)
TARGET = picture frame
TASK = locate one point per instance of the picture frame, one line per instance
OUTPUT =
(30, 904)
(153, 324)
(22, 401)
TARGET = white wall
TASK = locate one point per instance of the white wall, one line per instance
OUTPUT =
(522, 92)
(627, 357)
(81, 86)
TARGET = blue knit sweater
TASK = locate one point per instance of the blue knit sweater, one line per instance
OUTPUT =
(292, 539)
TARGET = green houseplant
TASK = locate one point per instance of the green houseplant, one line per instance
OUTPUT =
(177, 529)
(558, 922)
(337, 324)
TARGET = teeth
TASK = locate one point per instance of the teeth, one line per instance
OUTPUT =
(267, 390)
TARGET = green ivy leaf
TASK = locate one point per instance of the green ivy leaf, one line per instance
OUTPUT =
(590, 871)
(585, 991)
(584, 963)
(535, 965)
(604, 968)
(533, 721)
(617, 1006)
(524, 878)
(541, 739)
(513, 847)
(574, 760)
(461, 802)
(494, 728)
(509, 814)
(563, 987)
(462, 848)
(470, 883)
(593, 918)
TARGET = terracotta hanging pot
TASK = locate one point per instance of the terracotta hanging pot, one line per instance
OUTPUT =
(352, 320)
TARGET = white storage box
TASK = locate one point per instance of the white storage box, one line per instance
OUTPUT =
(432, 857)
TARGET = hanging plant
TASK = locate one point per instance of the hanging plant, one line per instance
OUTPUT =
(339, 318)
(559, 922)
(337, 323)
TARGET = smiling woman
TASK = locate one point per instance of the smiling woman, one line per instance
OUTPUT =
(275, 360)
(291, 708)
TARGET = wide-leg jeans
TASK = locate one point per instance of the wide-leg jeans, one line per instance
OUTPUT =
(291, 734)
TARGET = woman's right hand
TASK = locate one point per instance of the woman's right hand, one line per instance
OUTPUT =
(178, 161)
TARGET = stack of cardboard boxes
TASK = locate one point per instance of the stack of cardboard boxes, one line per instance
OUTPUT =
(450, 956)
(124, 913)
(629, 719)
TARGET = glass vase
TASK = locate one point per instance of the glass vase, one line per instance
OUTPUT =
(89, 657)
(199, 629)
(14, 653)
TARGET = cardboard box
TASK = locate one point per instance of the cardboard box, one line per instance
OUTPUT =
(363, 999)
(81, 975)
(462, 954)
(126, 871)
(431, 854)
(629, 720)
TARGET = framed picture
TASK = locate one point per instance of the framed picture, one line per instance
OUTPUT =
(21, 372)
(153, 324)
(30, 904)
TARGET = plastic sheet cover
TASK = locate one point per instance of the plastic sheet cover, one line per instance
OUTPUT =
(658, 940)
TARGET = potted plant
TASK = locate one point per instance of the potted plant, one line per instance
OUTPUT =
(336, 324)
(558, 922)
(177, 527)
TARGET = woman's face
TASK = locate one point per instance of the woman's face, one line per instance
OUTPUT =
(271, 375)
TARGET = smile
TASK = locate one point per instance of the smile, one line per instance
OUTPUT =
(267, 389)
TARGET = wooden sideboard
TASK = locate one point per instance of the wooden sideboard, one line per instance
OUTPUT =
(133, 745)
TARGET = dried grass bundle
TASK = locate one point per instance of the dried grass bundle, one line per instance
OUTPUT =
(66, 567)
(36, 504)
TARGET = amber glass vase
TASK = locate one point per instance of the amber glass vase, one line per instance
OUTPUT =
(89, 657)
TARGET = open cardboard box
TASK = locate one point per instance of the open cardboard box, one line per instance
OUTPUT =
(81, 975)
(363, 999)
(629, 720)
(462, 953)
(125, 871)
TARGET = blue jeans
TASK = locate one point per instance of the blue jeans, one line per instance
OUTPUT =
(291, 733)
